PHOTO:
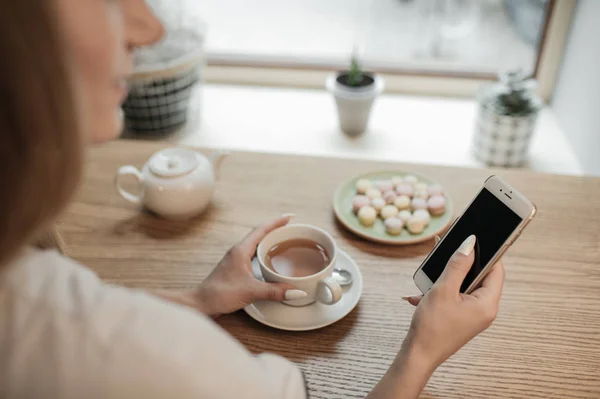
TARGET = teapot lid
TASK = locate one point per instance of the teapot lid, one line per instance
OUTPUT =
(173, 162)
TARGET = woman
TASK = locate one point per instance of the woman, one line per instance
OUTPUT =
(64, 333)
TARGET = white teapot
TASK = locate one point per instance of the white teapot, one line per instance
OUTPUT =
(175, 183)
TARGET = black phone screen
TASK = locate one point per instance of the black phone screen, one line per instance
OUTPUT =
(490, 220)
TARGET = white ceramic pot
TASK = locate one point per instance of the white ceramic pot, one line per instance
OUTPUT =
(354, 103)
(175, 183)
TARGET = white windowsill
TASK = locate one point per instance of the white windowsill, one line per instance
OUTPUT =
(402, 128)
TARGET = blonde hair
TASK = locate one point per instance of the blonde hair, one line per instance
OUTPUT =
(40, 146)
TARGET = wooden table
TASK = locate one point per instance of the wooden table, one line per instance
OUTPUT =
(544, 344)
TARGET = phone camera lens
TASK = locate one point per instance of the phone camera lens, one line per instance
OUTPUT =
(500, 190)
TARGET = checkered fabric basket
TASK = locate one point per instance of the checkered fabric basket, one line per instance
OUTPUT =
(502, 140)
(159, 104)
(168, 74)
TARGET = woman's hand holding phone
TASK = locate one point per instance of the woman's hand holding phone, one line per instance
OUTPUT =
(444, 321)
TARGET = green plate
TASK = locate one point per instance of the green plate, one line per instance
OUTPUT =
(342, 206)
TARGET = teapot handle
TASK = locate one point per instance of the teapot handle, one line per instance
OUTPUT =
(125, 171)
(216, 158)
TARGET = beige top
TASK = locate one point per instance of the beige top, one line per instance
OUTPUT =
(66, 334)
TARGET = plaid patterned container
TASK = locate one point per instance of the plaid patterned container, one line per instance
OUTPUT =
(506, 117)
(502, 140)
(159, 105)
(167, 74)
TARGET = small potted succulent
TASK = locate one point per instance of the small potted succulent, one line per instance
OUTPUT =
(354, 91)
(506, 118)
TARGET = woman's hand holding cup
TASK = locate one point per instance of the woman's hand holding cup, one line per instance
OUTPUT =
(232, 286)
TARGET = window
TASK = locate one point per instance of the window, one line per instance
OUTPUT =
(455, 43)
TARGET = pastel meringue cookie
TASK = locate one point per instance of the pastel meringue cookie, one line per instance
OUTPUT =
(421, 194)
(378, 204)
(388, 211)
(373, 193)
(418, 203)
(390, 196)
(384, 185)
(436, 205)
(393, 226)
(420, 186)
(402, 202)
(367, 215)
(415, 225)
(359, 201)
(405, 189)
(362, 185)
(423, 215)
(435, 189)
(397, 180)
(411, 179)
(404, 215)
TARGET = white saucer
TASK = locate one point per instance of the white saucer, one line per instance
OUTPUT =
(310, 317)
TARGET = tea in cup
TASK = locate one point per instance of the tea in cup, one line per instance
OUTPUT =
(303, 256)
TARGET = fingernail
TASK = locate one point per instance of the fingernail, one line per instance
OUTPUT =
(467, 246)
(406, 298)
(288, 215)
(295, 294)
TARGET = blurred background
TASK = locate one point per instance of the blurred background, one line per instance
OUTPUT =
(444, 36)
(259, 83)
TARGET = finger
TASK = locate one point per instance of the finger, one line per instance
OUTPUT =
(459, 264)
(252, 240)
(413, 300)
(275, 292)
(491, 286)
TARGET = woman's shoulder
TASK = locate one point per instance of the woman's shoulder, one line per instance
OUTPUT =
(48, 279)
(67, 293)
(121, 342)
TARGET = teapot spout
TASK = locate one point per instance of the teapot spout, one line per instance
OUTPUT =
(216, 158)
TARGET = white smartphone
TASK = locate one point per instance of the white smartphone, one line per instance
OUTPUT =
(497, 216)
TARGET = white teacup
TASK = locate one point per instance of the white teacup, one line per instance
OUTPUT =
(319, 286)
